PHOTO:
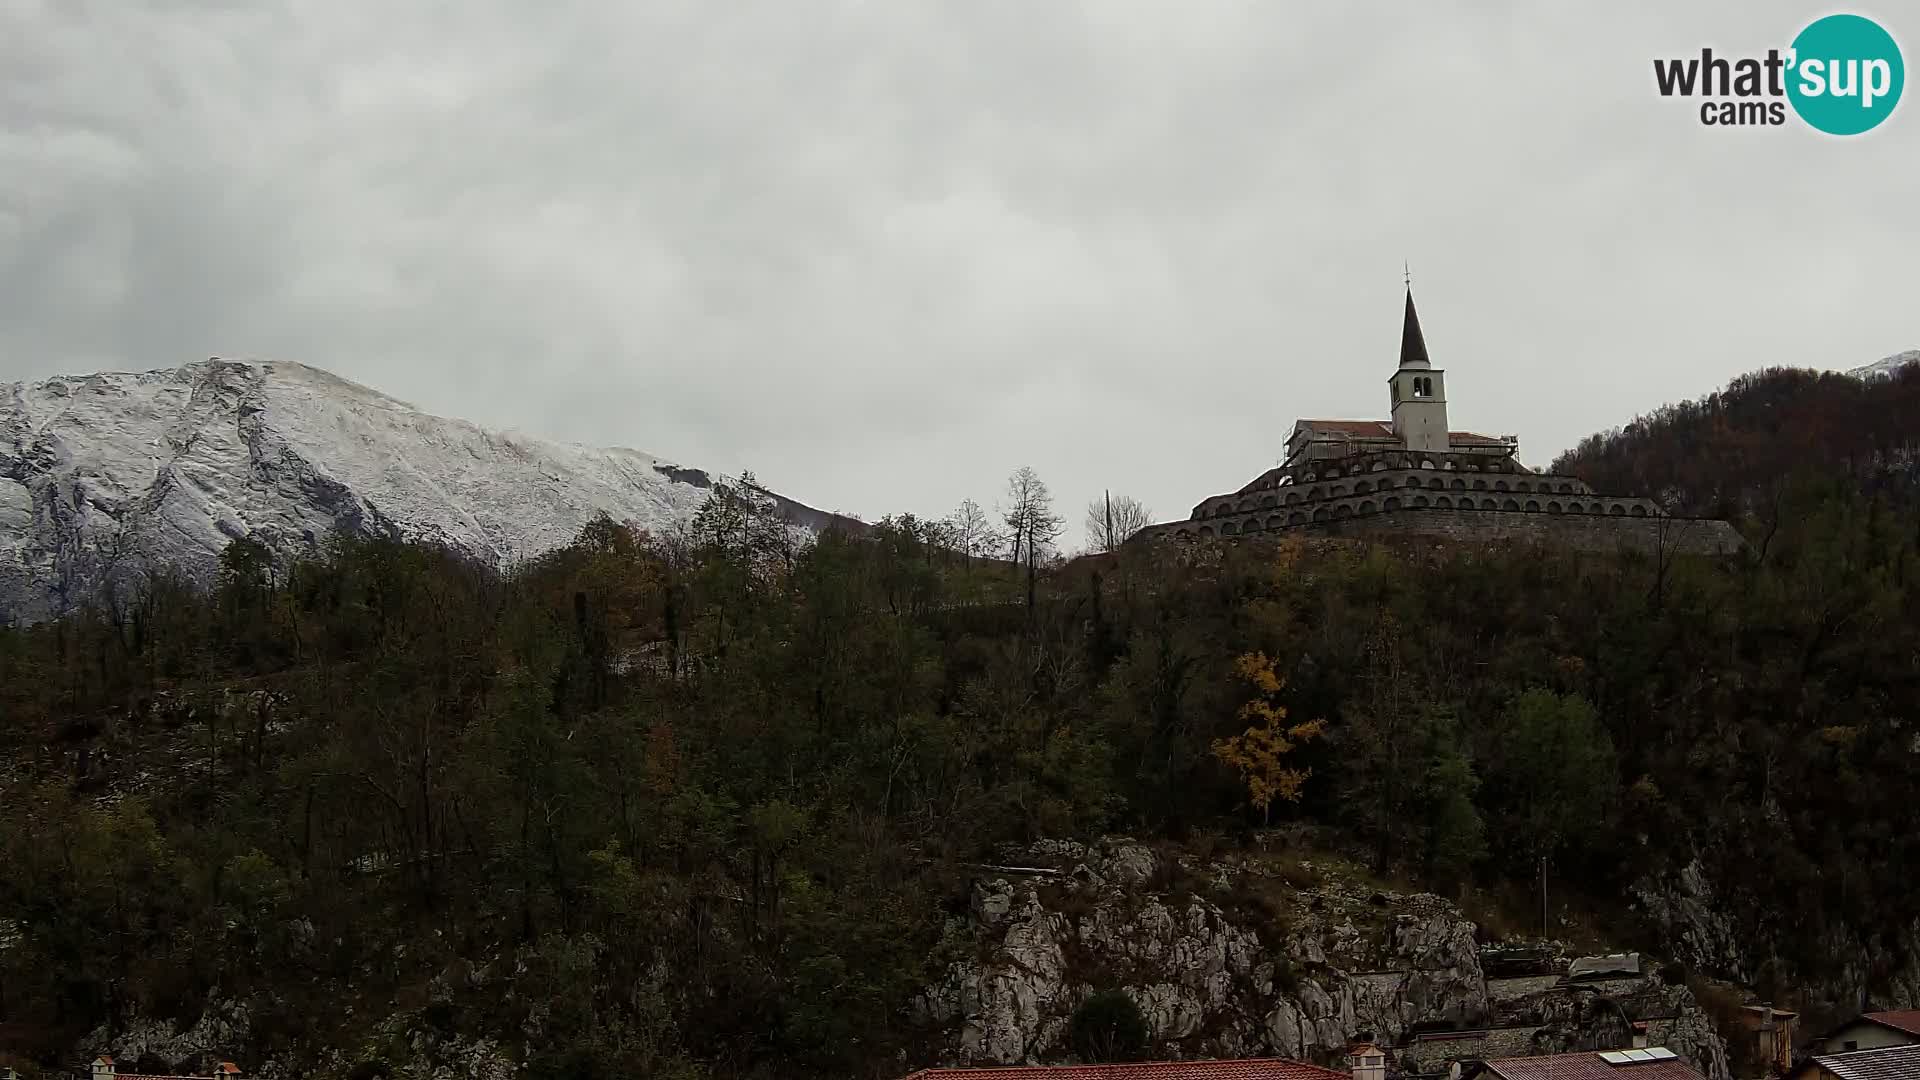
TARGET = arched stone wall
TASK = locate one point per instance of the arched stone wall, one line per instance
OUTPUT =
(1386, 475)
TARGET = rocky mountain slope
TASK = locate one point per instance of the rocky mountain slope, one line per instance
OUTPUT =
(103, 477)
(1888, 366)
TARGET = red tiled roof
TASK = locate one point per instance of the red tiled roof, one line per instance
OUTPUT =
(1383, 429)
(1247, 1069)
(1907, 1020)
(1589, 1066)
(1377, 429)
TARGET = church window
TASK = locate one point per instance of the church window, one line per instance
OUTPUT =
(1426, 463)
(1343, 510)
(1510, 505)
(1296, 518)
(1459, 484)
(1391, 504)
(1489, 504)
(1292, 497)
(1206, 532)
(1227, 528)
(1617, 510)
(1367, 507)
(1639, 511)
(1443, 502)
(1267, 500)
(1499, 485)
(1413, 481)
(1479, 485)
(1438, 484)
(1320, 514)
(1275, 522)
(1362, 488)
(1420, 500)
(1553, 508)
(1337, 489)
(1533, 506)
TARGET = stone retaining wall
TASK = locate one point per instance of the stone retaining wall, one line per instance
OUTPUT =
(1581, 532)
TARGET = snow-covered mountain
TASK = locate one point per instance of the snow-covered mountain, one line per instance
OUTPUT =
(103, 476)
(1888, 366)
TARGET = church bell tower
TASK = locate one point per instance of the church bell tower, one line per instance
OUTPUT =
(1419, 391)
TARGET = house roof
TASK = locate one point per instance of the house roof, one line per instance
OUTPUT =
(1907, 1020)
(1244, 1069)
(1884, 1063)
(1604, 966)
(1590, 1066)
(225, 1068)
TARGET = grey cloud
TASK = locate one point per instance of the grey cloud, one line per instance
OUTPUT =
(885, 252)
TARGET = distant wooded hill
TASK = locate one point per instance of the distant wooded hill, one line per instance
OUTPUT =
(1730, 454)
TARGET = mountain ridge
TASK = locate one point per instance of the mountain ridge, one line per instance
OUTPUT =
(1886, 366)
(111, 475)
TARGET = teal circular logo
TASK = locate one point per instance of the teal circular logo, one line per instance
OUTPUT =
(1845, 74)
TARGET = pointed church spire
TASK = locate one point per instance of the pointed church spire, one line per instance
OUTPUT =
(1413, 346)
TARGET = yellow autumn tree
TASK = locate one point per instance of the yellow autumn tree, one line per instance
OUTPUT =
(1260, 752)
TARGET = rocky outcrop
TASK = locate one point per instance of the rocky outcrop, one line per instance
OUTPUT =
(1699, 932)
(221, 1033)
(1693, 918)
(1232, 960)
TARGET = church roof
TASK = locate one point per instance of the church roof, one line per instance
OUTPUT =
(1413, 345)
(1364, 429)
(1383, 429)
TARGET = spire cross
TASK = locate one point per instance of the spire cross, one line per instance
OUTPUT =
(1409, 274)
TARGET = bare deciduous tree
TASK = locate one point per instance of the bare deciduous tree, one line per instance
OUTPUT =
(1113, 519)
(970, 532)
(1032, 526)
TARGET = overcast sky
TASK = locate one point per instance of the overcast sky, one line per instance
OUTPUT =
(883, 253)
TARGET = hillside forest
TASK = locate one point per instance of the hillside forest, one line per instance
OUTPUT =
(710, 795)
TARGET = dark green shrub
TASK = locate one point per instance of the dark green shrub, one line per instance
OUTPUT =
(1108, 1027)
